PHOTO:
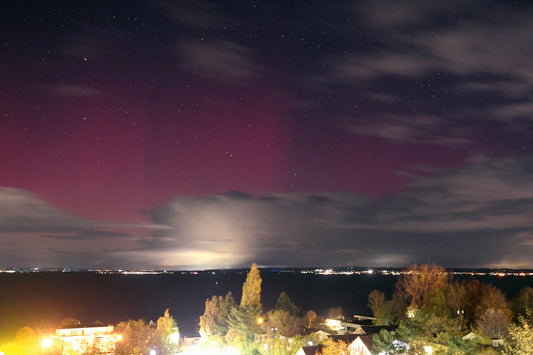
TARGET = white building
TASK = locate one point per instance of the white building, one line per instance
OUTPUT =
(79, 340)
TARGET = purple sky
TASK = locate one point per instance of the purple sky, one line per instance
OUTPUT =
(192, 134)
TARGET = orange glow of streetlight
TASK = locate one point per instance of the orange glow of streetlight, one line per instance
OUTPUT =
(46, 343)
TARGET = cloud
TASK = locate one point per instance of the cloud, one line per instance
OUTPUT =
(473, 216)
(520, 110)
(507, 89)
(22, 212)
(416, 38)
(86, 235)
(431, 59)
(219, 60)
(35, 233)
(420, 129)
(476, 215)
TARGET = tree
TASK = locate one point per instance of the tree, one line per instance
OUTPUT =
(70, 322)
(491, 298)
(457, 300)
(244, 323)
(283, 323)
(386, 312)
(419, 285)
(310, 319)
(214, 321)
(166, 337)
(335, 313)
(251, 289)
(331, 347)
(243, 320)
(520, 337)
(376, 302)
(225, 309)
(473, 292)
(386, 342)
(523, 304)
(209, 320)
(421, 330)
(284, 303)
(494, 323)
(137, 338)
(492, 313)
(397, 308)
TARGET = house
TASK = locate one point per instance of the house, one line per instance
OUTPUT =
(319, 336)
(340, 327)
(472, 337)
(101, 340)
(373, 329)
(362, 345)
(494, 342)
(357, 345)
(309, 350)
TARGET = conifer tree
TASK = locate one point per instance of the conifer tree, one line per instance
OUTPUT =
(225, 309)
(244, 320)
(284, 303)
(251, 289)
(208, 321)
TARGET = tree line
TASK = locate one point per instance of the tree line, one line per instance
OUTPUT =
(431, 308)
(428, 308)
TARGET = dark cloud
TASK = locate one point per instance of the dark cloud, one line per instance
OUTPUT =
(478, 215)
(35, 233)
(86, 235)
(22, 212)
(437, 61)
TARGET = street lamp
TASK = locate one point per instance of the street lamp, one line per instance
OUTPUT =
(46, 343)
(175, 338)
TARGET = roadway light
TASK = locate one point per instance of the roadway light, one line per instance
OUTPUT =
(46, 343)
(175, 338)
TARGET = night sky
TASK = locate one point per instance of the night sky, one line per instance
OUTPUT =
(204, 134)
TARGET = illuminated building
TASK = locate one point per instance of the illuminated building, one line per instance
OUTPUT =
(101, 340)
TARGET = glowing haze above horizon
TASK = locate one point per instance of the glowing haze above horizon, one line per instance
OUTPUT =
(210, 134)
